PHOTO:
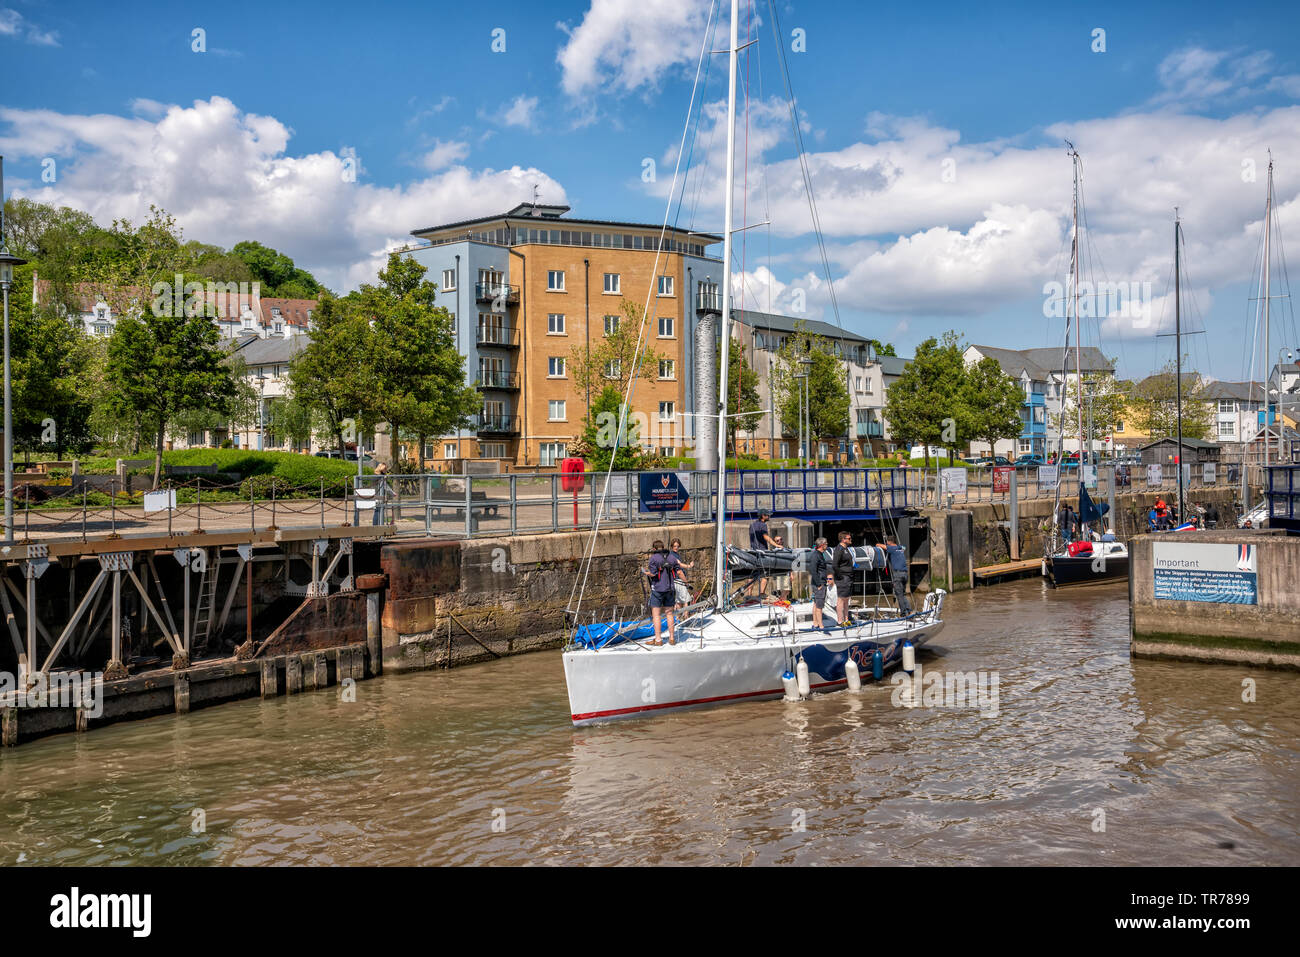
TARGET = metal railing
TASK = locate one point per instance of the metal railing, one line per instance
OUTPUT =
(492, 291)
(494, 424)
(494, 379)
(489, 335)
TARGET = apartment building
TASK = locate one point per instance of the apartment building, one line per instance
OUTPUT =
(529, 287)
(763, 335)
(1042, 375)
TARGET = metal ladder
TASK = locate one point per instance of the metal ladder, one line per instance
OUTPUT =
(207, 598)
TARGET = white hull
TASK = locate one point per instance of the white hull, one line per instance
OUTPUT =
(733, 657)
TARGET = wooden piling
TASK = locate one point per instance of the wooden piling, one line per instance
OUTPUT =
(270, 679)
(292, 674)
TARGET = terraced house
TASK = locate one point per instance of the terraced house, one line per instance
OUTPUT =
(529, 286)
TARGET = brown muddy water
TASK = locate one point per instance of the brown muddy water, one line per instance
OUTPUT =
(480, 766)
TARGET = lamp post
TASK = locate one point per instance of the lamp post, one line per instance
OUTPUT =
(261, 412)
(7, 264)
(801, 377)
(806, 362)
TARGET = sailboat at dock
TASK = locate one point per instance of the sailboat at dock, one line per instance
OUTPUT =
(727, 649)
(1083, 561)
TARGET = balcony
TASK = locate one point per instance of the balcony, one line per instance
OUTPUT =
(507, 337)
(496, 291)
(494, 379)
(1035, 398)
(706, 301)
(494, 424)
(870, 430)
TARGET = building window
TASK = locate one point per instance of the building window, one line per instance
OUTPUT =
(552, 452)
(785, 450)
(196, 439)
(613, 283)
(611, 325)
(1119, 426)
(555, 411)
(665, 327)
(613, 369)
(665, 285)
(492, 450)
(1025, 446)
(448, 280)
(555, 324)
(1225, 405)
(555, 280)
(667, 411)
(449, 450)
(555, 367)
(857, 384)
(1227, 430)
(667, 369)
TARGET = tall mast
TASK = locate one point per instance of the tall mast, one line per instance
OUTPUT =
(1178, 367)
(1268, 223)
(724, 351)
(1078, 363)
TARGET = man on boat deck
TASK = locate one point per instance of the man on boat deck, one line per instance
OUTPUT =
(842, 569)
(821, 578)
(1069, 522)
(760, 541)
(898, 573)
(661, 571)
(681, 589)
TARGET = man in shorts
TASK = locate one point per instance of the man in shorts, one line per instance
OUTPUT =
(842, 570)
(681, 589)
(661, 571)
(821, 578)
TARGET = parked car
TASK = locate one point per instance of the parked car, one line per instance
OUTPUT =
(984, 461)
(1029, 461)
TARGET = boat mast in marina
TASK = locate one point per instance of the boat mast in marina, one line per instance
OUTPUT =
(1178, 361)
(719, 558)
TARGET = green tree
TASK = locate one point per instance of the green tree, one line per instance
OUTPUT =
(828, 393)
(162, 365)
(419, 374)
(926, 404)
(1154, 405)
(992, 401)
(333, 375)
(611, 360)
(885, 349)
(276, 272)
(613, 432)
(744, 406)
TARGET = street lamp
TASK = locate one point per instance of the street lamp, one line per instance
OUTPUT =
(7, 264)
(806, 362)
(261, 412)
(802, 377)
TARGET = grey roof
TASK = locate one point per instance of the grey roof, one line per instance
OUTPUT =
(1190, 379)
(1190, 443)
(1244, 391)
(1091, 358)
(779, 323)
(892, 365)
(1013, 362)
(554, 220)
(274, 350)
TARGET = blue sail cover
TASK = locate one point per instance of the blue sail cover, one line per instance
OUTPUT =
(1088, 510)
(600, 634)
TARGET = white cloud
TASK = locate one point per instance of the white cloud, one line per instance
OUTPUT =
(519, 112)
(917, 220)
(12, 24)
(228, 175)
(445, 154)
(1195, 76)
(624, 45)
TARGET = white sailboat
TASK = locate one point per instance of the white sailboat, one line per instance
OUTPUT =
(727, 652)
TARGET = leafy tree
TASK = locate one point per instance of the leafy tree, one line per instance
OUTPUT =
(419, 374)
(612, 432)
(162, 365)
(333, 374)
(276, 272)
(1108, 397)
(828, 392)
(992, 402)
(926, 404)
(744, 406)
(886, 349)
(1154, 405)
(611, 359)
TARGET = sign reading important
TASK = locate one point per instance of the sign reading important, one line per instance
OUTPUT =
(1002, 479)
(1047, 476)
(665, 491)
(1224, 574)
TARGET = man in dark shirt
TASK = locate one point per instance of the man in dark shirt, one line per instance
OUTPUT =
(897, 560)
(842, 570)
(760, 540)
(821, 577)
(1211, 515)
(662, 570)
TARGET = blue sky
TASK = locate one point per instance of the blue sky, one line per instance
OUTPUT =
(245, 139)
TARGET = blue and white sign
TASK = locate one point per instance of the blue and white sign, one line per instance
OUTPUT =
(665, 491)
(953, 481)
(1223, 574)
(1047, 476)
